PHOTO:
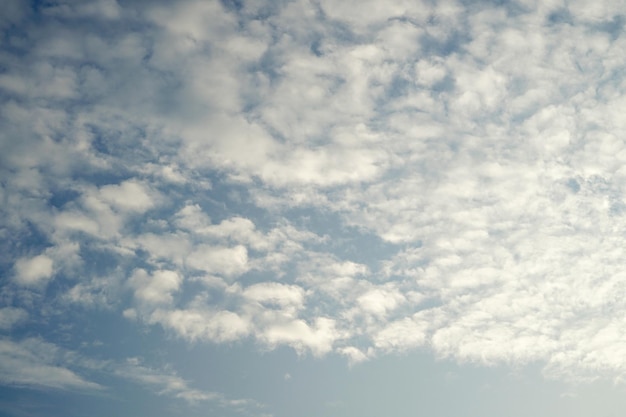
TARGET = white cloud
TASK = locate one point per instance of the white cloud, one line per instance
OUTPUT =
(34, 271)
(479, 150)
(361, 14)
(198, 324)
(35, 363)
(31, 362)
(379, 301)
(129, 195)
(76, 221)
(191, 217)
(275, 293)
(354, 354)
(233, 229)
(402, 334)
(229, 262)
(162, 246)
(165, 383)
(431, 71)
(155, 288)
(318, 338)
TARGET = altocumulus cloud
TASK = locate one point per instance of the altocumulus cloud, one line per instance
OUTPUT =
(330, 176)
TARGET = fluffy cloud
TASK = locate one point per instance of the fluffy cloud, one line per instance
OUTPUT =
(129, 195)
(219, 260)
(34, 271)
(203, 324)
(380, 301)
(156, 288)
(275, 293)
(318, 338)
(334, 177)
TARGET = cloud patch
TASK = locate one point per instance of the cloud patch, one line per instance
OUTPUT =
(35, 271)
(31, 362)
(11, 316)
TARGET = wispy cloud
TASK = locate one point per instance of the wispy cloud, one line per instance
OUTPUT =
(34, 363)
(168, 383)
(11, 316)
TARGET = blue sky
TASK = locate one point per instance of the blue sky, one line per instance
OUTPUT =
(312, 208)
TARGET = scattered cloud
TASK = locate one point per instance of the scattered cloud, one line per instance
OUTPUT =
(129, 196)
(34, 271)
(336, 177)
(156, 288)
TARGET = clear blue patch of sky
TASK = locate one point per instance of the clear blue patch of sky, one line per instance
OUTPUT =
(398, 384)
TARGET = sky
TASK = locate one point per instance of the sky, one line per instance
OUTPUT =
(312, 208)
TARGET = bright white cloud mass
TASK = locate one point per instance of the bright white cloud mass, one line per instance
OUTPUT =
(312, 208)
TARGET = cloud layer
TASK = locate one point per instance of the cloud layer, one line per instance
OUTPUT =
(337, 177)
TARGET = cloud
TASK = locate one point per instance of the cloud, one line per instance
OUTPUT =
(165, 383)
(11, 316)
(219, 260)
(168, 383)
(275, 293)
(402, 334)
(129, 195)
(155, 288)
(35, 363)
(318, 338)
(31, 362)
(354, 355)
(379, 302)
(193, 324)
(34, 271)
(334, 177)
